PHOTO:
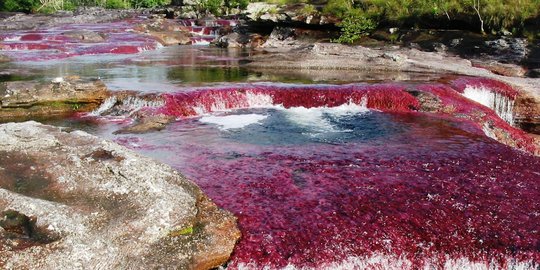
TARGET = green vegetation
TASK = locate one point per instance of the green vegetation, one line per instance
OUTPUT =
(31, 6)
(20, 5)
(358, 17)
(354, 25)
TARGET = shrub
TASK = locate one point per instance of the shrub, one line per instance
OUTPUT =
(116, 4)
(354, 26)
(338, 8)
(149, 3)
(27, 6)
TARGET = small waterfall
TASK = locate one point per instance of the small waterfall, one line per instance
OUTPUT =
(501, 104)
(202, 101)
(105, 106)
(124, 107)
(259, 100)
(133, 104)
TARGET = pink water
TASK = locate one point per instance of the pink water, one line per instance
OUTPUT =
(118, 38)
(325, 188)
(390, 188)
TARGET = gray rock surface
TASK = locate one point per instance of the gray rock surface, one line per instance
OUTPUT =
(102, 206)
(20, 21)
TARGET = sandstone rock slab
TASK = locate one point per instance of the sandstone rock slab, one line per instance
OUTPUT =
(102, 206)
(61, 96)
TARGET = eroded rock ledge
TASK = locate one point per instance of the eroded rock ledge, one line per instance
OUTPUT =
(21, 99)
(69, 200)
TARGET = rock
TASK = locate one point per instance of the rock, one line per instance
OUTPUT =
(509, 49)
(171, 38)
(147, 124)
(282, 33)
(82, 15)
(166, 31)
(107, 206)
(233, 40)
(15, 222)
(534, 73)
(255, 10)
(282, 37)
(456, 42)
(439, 47)
(496, 67)
(34, 98)
(4, 59)
(86, 36)
(396, 57)
(527, 112)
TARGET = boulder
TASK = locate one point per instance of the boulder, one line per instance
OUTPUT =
(86, 36)
(4, 59)
(509, 49)
(98, 205)
(61, 96)
(233, 40)
(168, 38)
(147, 124)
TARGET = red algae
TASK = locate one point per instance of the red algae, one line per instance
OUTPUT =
(437, 193)
(53, 43)
(481, 115)
(381, 97)
(118, 38)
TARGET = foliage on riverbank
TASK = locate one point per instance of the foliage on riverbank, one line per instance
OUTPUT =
(32, 6)
(358, 17)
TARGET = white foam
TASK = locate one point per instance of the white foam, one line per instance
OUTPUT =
(13, 38)
(105, 106)
(128, 105)
(391, 262)
(255, 100)
(233, 121)
(316, 119)
(502, 105)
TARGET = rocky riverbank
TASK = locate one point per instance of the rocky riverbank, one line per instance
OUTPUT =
(70, 200)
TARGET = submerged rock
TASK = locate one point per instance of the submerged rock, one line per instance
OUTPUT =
(99, 205)
(147, 124)
(4, 59)
(233, 40)
(86, 36)
(60, 96)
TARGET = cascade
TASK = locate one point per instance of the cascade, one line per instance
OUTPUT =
(502, 105)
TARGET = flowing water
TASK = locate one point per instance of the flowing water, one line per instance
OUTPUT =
(326, 176)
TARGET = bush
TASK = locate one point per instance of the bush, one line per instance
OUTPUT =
(27, 6)
(354, 26)
(149, 3)
(210, 6)
(338, 8)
